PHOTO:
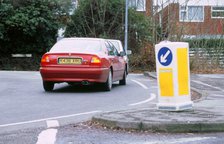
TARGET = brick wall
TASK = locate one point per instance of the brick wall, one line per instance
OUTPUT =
(149, 6)
(172, 25)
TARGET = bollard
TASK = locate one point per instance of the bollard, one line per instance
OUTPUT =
(173, 76)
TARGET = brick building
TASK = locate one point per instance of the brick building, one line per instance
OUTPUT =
(200, 19)
(143, 6)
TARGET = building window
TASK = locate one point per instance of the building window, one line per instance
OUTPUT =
(217, 12)
(191, 13)
(74, 3)
(139, 5)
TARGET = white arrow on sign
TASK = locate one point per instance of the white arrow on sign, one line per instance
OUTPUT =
(163, 58)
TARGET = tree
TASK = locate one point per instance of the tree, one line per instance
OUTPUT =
(29, 26)
(5, 11)
(96, 18)
(105, 19)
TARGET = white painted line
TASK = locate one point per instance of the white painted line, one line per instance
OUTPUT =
(52, 123)
(152, 97)
(217, 76)
(154, 87)
(218, 95)
(141, 84)
(135, 74)
(182, 140)
(21, 55)
(45, 119)
(199, 82)
(146, 80)
(47, 137)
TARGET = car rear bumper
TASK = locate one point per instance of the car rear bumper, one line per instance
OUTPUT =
(58, 74)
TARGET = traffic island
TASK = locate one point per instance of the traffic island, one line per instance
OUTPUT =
(198, 120)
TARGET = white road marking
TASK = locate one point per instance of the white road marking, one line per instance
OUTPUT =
(45, 119)
(47, 136)
(152, 97)
(141, 84)
(182, 140)
(199, 82)
(52, 123)
(135, 74)
(218, 95)
(146, 80)
(154, 87)
(217, 76)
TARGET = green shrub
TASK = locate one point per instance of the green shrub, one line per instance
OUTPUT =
(28, 26)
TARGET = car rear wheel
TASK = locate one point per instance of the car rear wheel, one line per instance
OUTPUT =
(109, 82)
(48, 86)
(123, 81)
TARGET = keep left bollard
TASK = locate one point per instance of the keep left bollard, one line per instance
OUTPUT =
(173, 76)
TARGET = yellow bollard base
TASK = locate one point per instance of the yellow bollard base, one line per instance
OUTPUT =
(175, 106)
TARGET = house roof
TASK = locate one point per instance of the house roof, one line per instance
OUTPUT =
(191, 2)
(203, 2)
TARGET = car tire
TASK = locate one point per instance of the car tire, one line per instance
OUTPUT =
(109, 82)
(48, 86)
(123, 81)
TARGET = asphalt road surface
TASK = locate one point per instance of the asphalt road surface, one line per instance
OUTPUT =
(23, 98)
(29, 115)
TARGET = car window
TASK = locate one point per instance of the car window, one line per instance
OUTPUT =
(116, 44)
(77, 45)
(115, 50)
(110, 49)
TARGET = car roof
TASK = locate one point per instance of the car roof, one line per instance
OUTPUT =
(83, 38)
(120, 46)
(114, 40)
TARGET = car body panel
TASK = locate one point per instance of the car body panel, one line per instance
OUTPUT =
(52, 71)
(119, 47)
(68, 74)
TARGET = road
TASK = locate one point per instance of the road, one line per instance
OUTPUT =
(23, 98)
(28, 113)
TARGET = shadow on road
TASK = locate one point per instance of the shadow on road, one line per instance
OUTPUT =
(77, 88)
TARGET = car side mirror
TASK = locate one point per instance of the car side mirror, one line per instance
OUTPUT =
(129, 52)
(122, 53)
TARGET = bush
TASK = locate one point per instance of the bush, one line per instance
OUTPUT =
(143, 61)
(9, 63)
(208, 54)
(206, 43)
(28, 26)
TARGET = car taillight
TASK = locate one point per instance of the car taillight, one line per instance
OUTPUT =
(45, 59)
(95, 60)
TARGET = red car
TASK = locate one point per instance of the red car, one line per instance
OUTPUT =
(83, 60)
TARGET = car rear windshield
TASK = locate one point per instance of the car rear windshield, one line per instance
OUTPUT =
(116, 44)
(77, 45)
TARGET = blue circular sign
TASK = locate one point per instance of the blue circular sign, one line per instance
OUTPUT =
(165, 56)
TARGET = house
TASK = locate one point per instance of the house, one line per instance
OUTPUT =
(191, 18)
(143, 6)
(74, 5)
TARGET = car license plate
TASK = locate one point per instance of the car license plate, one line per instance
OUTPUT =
(69, 61)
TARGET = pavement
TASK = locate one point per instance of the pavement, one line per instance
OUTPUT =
(206, 116)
